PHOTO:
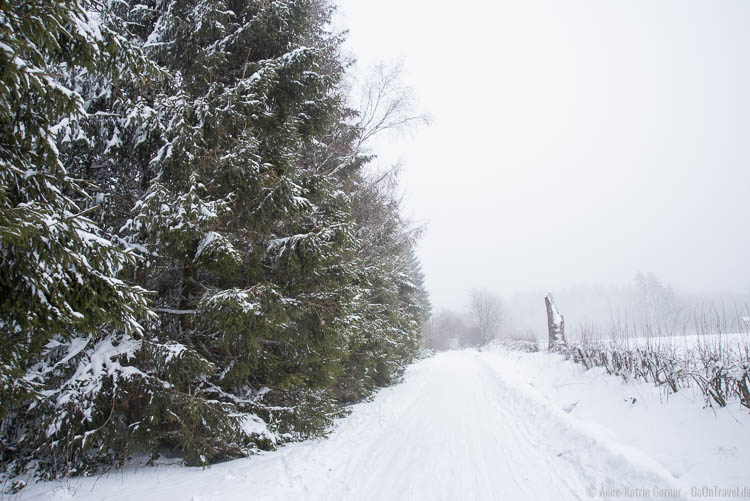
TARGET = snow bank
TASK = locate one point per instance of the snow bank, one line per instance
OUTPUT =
(699, 446)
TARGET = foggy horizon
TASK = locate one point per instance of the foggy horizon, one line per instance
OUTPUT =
(571, 145)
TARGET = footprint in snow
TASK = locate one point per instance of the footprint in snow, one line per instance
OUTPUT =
(570, 407)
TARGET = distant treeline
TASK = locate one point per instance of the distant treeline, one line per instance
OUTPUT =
(482, 322)
(648, 304)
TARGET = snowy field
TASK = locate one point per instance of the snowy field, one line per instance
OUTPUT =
(733, 341)
(470, 425)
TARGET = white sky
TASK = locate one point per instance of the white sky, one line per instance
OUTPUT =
(574, 141)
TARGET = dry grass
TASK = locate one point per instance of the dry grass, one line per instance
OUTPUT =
(702, 355)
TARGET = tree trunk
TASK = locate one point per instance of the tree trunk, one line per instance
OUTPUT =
(555, 324)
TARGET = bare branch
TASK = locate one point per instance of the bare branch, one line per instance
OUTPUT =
(487, 310)
(386, 103)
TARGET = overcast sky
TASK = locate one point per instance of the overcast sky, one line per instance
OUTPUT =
(573, 142)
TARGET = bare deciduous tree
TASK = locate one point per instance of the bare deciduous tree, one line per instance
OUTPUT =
(386, 103)
(487, 310)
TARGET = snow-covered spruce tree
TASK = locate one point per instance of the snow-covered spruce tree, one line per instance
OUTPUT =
(391, 303)
(240, 239)
(110, 147)
(58, 271)
(109, 393)
(386, 320)
(269, 266)
(281, 272)
(248, 241)
(418, 279)
(383, 321)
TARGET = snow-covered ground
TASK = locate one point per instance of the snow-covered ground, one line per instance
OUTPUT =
(732, 341)
(470, 425)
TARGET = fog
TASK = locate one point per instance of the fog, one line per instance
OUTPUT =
(573, 144)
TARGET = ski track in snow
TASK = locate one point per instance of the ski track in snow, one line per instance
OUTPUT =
(461, 426)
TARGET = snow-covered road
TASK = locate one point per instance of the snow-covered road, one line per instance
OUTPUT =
(464, 425)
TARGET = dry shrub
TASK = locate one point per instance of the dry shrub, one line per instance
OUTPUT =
(706, 357)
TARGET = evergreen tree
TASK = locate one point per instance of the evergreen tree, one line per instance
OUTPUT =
(418, 278)
(386, 320)
(215, 145)
(57, 272)
(249, 238)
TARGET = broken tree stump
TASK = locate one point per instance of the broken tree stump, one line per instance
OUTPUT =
(555, 324)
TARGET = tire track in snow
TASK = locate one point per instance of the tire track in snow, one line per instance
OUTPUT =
(598, 459)
(454, 438)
